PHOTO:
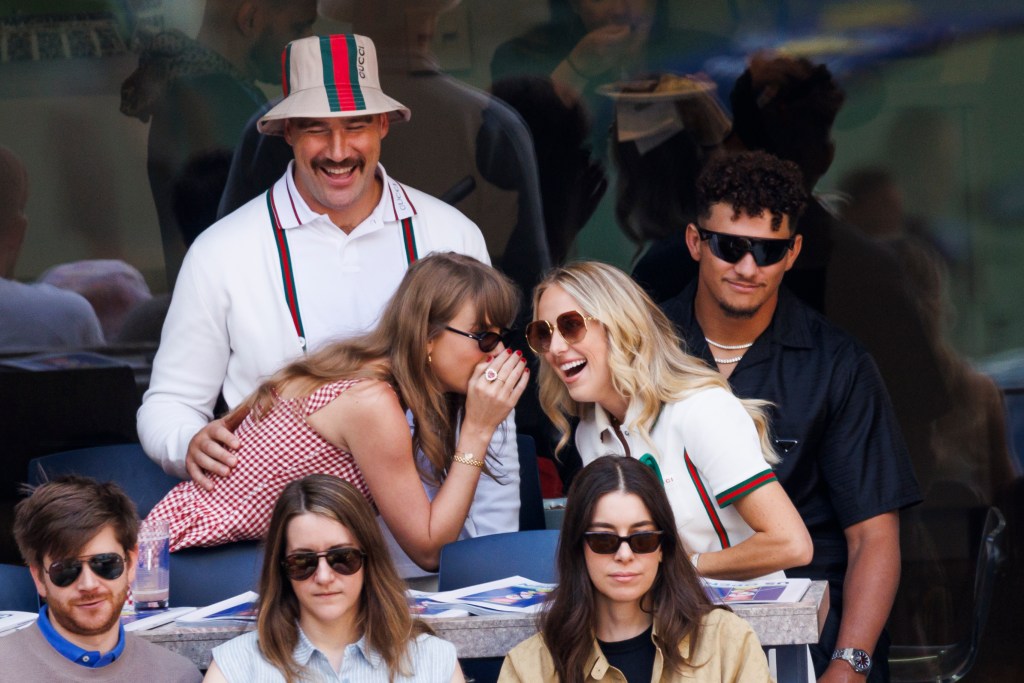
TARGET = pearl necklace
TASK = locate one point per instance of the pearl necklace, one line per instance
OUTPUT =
(726, 361)
(727, 347)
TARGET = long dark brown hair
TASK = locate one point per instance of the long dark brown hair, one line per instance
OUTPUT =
(676, 599)
(384, 617)
(432, 292)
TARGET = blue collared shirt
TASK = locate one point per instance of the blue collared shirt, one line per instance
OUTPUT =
(430, 659)
(92, 659)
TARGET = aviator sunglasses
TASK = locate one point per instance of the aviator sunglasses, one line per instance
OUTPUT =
(485, 340)
(344, 561)
(571, 325)
(607, 543)
(107, 566)
(732, 248)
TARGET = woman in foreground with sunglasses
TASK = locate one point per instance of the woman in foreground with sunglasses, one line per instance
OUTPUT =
(331, 604)
(437, 351)
(628, 598)
(611, 359)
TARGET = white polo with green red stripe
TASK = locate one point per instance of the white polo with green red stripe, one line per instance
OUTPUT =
(707, 454)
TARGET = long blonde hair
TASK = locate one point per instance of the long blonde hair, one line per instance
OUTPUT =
(647, 363)
(432, 292)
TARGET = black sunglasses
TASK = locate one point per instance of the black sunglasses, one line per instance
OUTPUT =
(607, 543)
(344, 561)
(107, 566)
(485, 340)
(732, 248)
(571, 325)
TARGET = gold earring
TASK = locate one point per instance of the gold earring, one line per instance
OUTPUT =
(429, 359)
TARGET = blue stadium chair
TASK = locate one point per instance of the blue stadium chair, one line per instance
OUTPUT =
(203, 576)
(125, 464)
(17, 591)
(487, 558)
(531, 501)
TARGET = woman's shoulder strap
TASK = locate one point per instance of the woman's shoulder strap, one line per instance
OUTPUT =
(327, 393)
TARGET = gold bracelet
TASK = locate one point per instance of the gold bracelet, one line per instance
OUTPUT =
(467, 459)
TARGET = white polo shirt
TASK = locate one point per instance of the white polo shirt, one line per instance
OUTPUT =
(707, 454)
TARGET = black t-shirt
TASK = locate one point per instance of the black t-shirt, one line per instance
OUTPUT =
(843, 458)
(633, 657)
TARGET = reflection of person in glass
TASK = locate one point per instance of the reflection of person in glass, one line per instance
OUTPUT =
(331, 604)
(572, 181)
(587, 43)
(665, 131)
(35, 316)
(196, 94)
(629, 606)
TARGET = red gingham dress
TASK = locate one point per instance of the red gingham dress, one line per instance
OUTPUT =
(276, 450)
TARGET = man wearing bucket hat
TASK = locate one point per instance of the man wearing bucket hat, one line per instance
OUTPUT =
(313, 259)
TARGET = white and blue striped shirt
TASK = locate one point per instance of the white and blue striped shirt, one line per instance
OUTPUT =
(432, 660)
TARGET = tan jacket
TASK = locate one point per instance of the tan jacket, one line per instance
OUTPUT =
(729, 652)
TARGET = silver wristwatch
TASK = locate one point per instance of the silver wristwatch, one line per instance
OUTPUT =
(858, 659)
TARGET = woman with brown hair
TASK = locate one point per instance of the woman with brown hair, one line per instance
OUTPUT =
(436, 352)
(331, 604)
(629, 606)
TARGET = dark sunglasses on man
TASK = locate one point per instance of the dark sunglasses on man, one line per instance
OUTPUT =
(344, 561)
(107, 566)
(732, 248)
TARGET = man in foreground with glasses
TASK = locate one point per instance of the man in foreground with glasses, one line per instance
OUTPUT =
(844, 463)
(79, 540)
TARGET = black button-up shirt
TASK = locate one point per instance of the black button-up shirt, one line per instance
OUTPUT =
(843, 458)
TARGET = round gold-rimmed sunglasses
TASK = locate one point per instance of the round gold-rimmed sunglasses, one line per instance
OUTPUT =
(571, 326)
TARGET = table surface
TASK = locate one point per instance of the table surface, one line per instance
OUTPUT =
(794, 623)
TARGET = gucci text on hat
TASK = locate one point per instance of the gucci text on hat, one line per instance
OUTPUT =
(330, 76)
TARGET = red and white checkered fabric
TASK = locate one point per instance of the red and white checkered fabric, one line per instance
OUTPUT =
(276, 450)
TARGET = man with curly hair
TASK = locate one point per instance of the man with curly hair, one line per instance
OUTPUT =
(844, 462)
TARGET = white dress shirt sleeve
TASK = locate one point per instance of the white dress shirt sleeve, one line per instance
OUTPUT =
(188, 372)
(495, 508)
